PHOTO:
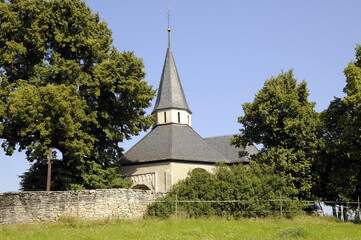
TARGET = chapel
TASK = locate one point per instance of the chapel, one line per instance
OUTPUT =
(172, 148)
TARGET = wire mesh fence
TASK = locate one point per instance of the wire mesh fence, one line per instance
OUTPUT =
(345, 211)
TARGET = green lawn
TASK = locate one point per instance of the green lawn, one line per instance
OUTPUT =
(298, 228)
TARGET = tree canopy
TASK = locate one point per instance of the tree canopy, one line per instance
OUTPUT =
(64, 85)
(283, 120)
(340, 164)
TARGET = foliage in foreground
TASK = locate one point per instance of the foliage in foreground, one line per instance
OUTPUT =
(248, 188)
(64, 86)
(214, 229)
(283, 120)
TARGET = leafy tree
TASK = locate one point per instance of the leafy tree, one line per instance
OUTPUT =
(340, 165)
(63, 85)
(283, 120)
(248, 188)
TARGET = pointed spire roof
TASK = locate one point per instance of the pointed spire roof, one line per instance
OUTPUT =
(170, 93)
(178, 142)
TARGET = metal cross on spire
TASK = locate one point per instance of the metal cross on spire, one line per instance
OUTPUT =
(168, 29)
(168, 16)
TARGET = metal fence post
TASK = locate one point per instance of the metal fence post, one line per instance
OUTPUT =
(176, 207)
(281, 206)
(358, 209)
(77, 208)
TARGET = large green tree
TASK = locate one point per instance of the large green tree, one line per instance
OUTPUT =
(284, 122)
(64, 86)
(340, 165)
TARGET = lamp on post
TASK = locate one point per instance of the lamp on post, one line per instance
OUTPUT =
(51, 157)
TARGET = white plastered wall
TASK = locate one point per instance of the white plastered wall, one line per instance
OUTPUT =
(180, 170)
(173, 116)
(166, 173)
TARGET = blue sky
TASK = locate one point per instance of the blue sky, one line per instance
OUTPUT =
(225, 50)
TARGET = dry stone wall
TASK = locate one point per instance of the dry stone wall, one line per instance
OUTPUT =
(29, 207)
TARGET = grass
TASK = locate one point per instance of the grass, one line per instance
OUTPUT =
(304, 227)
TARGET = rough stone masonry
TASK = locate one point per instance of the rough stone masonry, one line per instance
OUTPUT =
(29, 207)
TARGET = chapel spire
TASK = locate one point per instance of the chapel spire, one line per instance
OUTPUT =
(170, 97)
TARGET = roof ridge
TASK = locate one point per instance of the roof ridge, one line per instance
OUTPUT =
(209, 145)
(139, 142)
(226, 135)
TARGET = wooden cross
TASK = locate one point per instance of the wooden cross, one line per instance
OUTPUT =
(49, 158)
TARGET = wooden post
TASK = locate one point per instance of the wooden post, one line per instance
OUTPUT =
(339, 213)
(48, 161)
(334, 210)
(48, 179)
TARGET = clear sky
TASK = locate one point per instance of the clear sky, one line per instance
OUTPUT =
(225, 50)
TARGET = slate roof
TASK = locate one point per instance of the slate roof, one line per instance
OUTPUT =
(170, 93)
(172, 142)
(177, 142)
(228, 151)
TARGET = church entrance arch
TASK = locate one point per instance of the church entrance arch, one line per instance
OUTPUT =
(198, 169)
(141, 187)
(144, 181)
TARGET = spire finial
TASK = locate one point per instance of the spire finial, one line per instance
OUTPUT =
(168, 29)
(168, 16)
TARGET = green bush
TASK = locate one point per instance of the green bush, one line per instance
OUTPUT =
(234, 192)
